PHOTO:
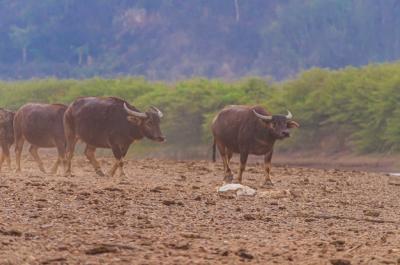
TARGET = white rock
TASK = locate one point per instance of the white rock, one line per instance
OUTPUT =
(241, 190)
(230, 186)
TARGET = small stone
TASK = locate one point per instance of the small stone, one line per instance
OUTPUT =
(338, 242)
(197, 198)
(249, 217)
(179, 245)
(371, 213)
(11, 232)
(394, 250)
(340, 262)
(158, 189)
(100, 250)
(225, 253)
(210, 202)
(244, 254)
(168, 202)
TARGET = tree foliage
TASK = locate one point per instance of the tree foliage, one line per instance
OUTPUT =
(352, 109)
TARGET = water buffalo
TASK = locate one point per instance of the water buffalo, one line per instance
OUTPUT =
(108, 122)
(248, 130)
(41, 125)
(6, 135)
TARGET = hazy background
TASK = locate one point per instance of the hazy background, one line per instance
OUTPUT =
(331, 62)
(177, 39)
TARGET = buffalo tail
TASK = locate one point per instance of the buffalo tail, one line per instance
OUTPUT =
(214, 152)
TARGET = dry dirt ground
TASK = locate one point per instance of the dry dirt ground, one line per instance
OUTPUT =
(168, 212)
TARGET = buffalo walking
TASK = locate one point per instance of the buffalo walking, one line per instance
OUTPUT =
(248, 130)
(41, 125)
(108, 122)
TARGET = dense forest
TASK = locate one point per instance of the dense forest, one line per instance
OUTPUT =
(352, 109)
(177, 39)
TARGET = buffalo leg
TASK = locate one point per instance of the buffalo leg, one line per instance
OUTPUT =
(119, 163)
(243, 161)
(19, 144)
(61, 157)
(5, 155)
(124, 151)
(228, 177)
(114, 167)
(7, 152)
(90, 154)
(33, 150)
(71, 139)
(267, 164)
(69, 154)
(121, 168)
(229, 154)
(55, 166)
(1, 160)
(119, 153)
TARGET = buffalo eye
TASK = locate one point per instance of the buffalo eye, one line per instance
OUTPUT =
(269, 124)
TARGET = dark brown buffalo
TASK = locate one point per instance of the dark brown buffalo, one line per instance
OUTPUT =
(248, 130)
(6, 135)
(41, 125)
(108, 122)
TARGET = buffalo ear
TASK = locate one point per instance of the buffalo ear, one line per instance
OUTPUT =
(134, 120)
(292, 124)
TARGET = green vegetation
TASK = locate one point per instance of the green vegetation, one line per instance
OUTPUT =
(352, 109)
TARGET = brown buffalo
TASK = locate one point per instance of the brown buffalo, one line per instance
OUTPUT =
(108, 122)
(41, 125)
(248, 130)
(6, 135)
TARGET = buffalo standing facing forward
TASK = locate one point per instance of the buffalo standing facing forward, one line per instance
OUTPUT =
(248, 130)
(42, 126)
(108, 122)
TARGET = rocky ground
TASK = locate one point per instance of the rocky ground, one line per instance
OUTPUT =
(169, 212)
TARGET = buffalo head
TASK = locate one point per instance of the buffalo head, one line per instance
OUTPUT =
(278, 125)
(149, 122)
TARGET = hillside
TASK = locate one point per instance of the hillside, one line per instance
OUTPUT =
(173, 40)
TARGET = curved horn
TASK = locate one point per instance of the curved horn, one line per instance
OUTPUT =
(159, 113)
(289, 115)
(265, 118)
(134, 113)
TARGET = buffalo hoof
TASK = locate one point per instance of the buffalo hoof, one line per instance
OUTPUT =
(67, 174)
(267, 184)
(228, 179)
(100, 173)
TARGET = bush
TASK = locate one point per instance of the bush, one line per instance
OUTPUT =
(352, 109)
